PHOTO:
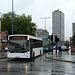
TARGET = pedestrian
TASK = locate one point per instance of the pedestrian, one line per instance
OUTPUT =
(60, 48)
(56, 48)
(68, 50)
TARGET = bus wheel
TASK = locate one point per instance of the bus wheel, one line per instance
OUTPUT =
(33, 54)
(40, 52)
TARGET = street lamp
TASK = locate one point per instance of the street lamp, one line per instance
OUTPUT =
(12, 17)
(45, 20)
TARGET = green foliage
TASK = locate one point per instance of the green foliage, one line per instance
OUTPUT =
(21, 24)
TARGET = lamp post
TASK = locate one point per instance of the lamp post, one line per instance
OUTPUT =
(0, 31)
(45, 20)
(0, 22)
(12, 17)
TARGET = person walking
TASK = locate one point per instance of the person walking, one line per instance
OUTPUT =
(68, 50)
(60, 48)
(56, 48)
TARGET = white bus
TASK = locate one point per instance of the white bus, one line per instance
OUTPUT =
(24, 46)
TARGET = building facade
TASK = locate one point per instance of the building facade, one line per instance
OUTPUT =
(4, 39)
(39, 31)
(58, 25)
(73, 29)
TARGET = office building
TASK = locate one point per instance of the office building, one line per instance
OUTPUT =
(73, 29)
(58, 25)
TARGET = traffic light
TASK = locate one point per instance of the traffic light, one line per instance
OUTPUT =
(56, 39)
(51, 37)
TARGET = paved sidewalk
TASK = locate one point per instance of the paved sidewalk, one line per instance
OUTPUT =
(63, 56)
(3, 55)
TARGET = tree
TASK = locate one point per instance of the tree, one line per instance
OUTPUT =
(21, 24)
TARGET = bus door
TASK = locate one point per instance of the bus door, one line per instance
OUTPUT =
(31, 48)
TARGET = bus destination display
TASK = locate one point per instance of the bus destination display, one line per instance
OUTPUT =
(18, 37)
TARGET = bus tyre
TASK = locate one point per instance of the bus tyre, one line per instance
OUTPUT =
(40, 52)
(33, 54)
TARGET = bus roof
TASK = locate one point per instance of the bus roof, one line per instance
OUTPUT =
(33, 37)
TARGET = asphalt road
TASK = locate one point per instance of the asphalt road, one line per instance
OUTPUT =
(38, 66)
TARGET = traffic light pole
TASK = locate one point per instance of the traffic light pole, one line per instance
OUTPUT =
(52, 43)
(12, 17)
(56, 43)
(52, 47)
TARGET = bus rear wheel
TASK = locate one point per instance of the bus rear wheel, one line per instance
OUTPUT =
(40, 52)
(33, 54)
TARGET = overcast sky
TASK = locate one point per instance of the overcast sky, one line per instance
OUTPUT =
(43, 8)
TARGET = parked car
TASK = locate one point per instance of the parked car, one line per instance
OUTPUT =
(64, 48)
(54, 47)
(58, 46)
